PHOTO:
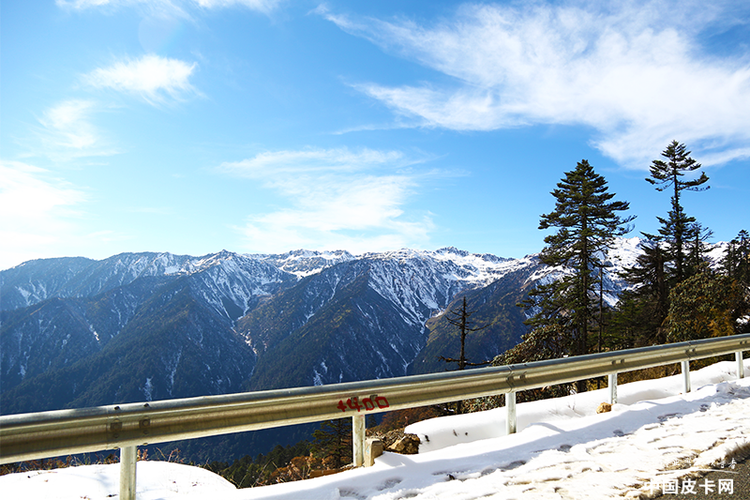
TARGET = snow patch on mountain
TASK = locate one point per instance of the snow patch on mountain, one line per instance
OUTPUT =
(303, 263)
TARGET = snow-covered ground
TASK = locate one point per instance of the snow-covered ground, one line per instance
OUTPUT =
(563, 449)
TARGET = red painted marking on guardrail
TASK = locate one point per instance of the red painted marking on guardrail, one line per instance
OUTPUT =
(366, 404)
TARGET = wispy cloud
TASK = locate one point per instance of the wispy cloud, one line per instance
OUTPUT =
(83, 4)
(259, 5)
(38, 212)
(338, 198)
(270, 165)
(160, 8)
(67, 132)
(635, 72)
(70, 120)
(151, 78)
(174, 7)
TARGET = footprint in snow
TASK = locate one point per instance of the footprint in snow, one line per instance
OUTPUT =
(389, 483)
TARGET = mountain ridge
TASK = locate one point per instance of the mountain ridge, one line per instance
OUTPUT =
(140, 326)
(56, 312)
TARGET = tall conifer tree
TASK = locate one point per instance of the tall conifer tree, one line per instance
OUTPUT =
(587, 222)
(669, 257)
(669, 174)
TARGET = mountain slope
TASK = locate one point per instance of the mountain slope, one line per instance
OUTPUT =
(357, 334)
(365, 318)
(225, 322)
(134, 327)
(175, 346)
(58, 332)
(493, 307)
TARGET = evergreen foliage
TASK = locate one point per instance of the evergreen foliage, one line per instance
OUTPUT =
(736, 261)
(246, 472)
(587, 222)
(545, 342)
(736, 266)
(703, 306)
(333, 442)
(676, 229)
(697, 258)
(643, 308)
(670, 257)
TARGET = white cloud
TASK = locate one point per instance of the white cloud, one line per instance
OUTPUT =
(38, 212)
(70, 120)
(160, 8)
(67, 132)
(174, 7)
(635, 72)
(259, 5)
(151, 77)
(339, 198)
(82, 4)
(311, 161)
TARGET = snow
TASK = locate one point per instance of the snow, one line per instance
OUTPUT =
(563, 449)
(625, 252)
(148, 389)
(154, 480)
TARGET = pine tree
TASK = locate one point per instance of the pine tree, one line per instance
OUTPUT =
(697, 254)
(736, 261)
(333, 442)
(587, 222)
(669, 175)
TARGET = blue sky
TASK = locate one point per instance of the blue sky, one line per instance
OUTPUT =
(271, 125)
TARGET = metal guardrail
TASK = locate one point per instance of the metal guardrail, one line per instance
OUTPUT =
(38, 435)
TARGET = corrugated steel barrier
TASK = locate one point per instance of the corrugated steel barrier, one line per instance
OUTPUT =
(33, 436)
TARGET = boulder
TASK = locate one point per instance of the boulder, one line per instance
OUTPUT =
(408, 444)
(604, 408)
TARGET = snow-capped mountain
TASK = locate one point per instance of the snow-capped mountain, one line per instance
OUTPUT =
(225, 322)
(232, 276)
(78, 332)
(303, 263)
(365, 317)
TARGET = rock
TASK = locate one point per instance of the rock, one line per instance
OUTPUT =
(604, 408)
(396, 441)
(408, 444)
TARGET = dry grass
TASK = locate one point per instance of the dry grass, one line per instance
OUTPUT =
(84, 459)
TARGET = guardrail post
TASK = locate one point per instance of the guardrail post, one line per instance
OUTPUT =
(128, 458)
(510, 416)
(373, 449)
(358, 440)
(685, 375)
(612, 385)
(740, 364)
